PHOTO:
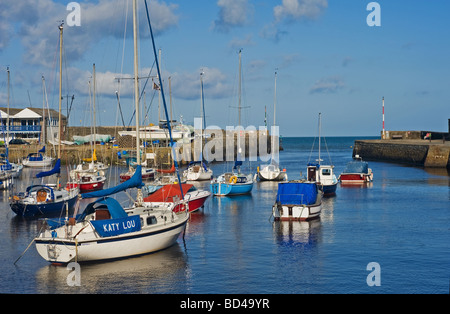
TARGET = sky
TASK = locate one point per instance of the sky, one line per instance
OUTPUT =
(326, 57)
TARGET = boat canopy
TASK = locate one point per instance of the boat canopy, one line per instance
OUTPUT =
(35, 157)
(5, 165)
(297, 193)
(42, 150)
(56, 169)
(119, 223)
(202, 163)
(37, 187)
(357, 166)
(134, 182)
(168, 192)
(115, 209)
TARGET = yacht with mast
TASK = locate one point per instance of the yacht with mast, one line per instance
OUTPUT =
(322, 174)
(234, 182)
(105, 230)
(272, 171)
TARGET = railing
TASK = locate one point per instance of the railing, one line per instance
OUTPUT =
(20, 128)
(294, 197)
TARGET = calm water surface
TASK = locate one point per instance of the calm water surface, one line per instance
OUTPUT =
(401, 222)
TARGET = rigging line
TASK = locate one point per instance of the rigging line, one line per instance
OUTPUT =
(120, 108)
(142, 92)
(149, 107)
(164, 101)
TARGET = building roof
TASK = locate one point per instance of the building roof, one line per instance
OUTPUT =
(29, 113)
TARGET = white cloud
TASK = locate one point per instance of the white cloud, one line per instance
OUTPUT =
(237, 43)
(36, 24)
(184, 85)
(293, 10)
(187, 85)
(327, 85)
(232, 13)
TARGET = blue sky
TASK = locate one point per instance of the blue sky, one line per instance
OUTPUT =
(327, 60)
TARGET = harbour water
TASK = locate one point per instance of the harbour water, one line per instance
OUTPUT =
(232, 246)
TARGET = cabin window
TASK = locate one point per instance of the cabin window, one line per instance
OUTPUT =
(326, 172)
(151, 220)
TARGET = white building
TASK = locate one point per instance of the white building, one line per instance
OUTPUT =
(27, 124)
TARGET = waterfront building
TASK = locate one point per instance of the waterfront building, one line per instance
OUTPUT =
(28, 124)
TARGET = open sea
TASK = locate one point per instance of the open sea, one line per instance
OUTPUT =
(401, 222)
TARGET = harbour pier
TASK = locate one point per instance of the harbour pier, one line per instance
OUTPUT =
(417, 148)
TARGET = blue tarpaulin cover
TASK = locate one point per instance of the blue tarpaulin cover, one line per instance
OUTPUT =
(297, 193)
(56, 169)
(35, 157)
(357, 166)
(134, 182)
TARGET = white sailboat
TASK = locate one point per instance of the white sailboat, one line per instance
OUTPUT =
(199, 170)
(90, 174)
(105, 230)
(323, 175)
(8, 170)
(272, 171)
(40, 159)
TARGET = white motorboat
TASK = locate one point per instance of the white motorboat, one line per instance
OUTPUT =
(272, 172)
(297, 200)
(197, 171)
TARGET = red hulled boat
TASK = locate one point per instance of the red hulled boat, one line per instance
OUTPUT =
(171, 192)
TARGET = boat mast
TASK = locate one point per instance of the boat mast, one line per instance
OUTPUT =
(320, 126)
(274, 115)
(7, 118)
(139, 197)
(202, 97)
(239, 107)
(60, 88)
(60, 95)
(93, 108)
(136, 80)
(43, 110)
(275, 99)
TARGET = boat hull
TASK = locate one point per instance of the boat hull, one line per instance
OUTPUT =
(328, 189)
(108, 248)
(46, 162)
(296, 212)
(87, 186)
(199, 176)
(227, 189)
(195, 203)
(272, 176)
(43, 209)
(354, 178)
(146, 175)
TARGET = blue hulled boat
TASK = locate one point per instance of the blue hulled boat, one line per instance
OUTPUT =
(42, 199)
(232, 183)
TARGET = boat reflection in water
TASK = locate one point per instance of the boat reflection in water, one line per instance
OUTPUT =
(160, 272)
(295, 233)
